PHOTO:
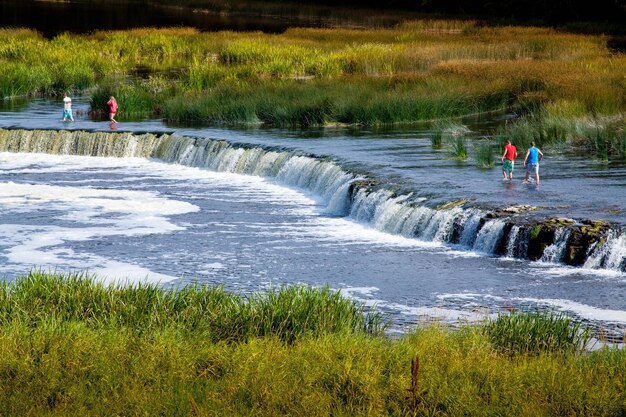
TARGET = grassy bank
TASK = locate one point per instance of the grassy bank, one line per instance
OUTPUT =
(73, 347)
(566, 87)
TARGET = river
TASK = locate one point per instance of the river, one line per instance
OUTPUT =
(142, 218)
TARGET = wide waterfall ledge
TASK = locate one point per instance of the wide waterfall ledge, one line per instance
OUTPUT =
(507, 231)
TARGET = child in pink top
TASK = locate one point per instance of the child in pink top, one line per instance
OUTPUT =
(112, 106)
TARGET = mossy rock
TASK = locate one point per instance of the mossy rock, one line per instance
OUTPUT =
(512, 210)
(590, 234)
(542, 235)
(453, 204)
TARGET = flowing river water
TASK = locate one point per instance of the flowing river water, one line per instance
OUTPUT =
(253, 209)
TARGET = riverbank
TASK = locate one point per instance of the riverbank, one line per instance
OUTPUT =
(72, 346)
(565, 88)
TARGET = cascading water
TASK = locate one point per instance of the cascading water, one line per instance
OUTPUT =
(489, 236)
(512, 241)
(345, 193)
(612, 255)
(554, 252)
(470, 228)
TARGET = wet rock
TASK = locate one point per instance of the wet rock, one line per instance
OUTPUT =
(452, 204)
(358, 185)
(508, 211)
(362, 184)
(501, 247)
(542, 235)
(583, 239)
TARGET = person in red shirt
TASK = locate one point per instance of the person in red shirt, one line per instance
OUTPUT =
(112, 106)
(508, 160)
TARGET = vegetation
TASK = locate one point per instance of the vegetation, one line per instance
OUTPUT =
(458, 148)
(565, 87)
(536, 332)
(211, 313)
(72, 346)
(484, 155)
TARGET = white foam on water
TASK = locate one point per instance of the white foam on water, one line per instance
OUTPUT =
(336, 230)
(125, 273)
(459, 296)
(582, 310)
(102, 212)
(542, 268)
(94, 213)
(364, 295)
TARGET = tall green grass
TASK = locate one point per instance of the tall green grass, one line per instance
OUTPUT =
(287, 313)
(537, 332)
(72, 346)
(321, 102)
(458, 148)
(484, 155)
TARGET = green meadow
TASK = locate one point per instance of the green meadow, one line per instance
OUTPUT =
(565, 87)
(74, 346)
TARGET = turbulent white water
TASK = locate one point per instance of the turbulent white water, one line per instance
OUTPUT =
(344, 193)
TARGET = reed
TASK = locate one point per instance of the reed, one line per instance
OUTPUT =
(535, 332)
(484, 155)
(458, 148)
(288, 313)
(603, 138)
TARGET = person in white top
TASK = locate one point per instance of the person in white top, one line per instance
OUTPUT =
(67, 108)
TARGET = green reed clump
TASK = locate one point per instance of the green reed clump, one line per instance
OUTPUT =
(299, 311)
(537, 332)
(603, 138)
(316, 102)
(288, 313)
(436, 139)
(446, 130)
(543, 130)
(484, 155)
(458, 148)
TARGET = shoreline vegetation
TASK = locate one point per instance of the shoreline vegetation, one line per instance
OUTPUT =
(565, 88)
(74, 346)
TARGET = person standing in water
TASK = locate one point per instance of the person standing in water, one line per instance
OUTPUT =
(112, 106)
(531, 162)
(508, 160)
(67, 108)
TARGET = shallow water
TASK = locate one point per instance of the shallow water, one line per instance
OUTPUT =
(136, 218)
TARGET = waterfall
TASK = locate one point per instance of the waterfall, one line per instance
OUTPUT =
(612, 255)
(554, 252)
(470, 228)
(512, 241)
(489, 236)
(345, 193)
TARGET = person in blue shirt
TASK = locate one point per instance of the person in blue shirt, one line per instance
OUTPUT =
(531, 162)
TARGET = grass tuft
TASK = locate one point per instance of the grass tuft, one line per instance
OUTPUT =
(484, 155)
(536, 332)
